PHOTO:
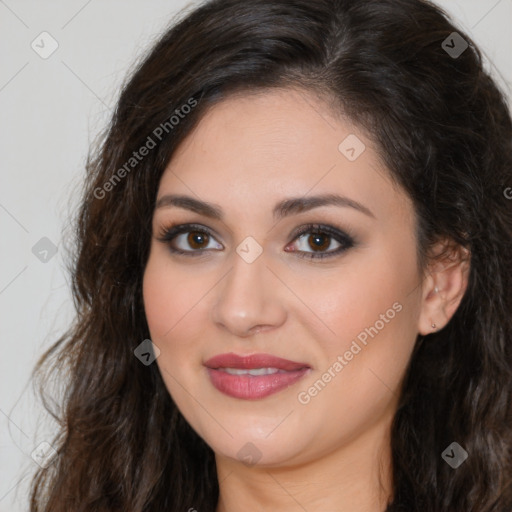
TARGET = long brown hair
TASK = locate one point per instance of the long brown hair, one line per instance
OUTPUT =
(442, 127)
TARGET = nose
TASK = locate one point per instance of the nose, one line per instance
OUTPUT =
(249, 299)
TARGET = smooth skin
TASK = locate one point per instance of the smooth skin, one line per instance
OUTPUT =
(248, 153)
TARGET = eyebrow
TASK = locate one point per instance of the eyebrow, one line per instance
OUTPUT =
(282, 209)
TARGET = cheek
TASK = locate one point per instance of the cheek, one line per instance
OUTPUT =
(169, 295)
(371, 315)
(176, 306)
(370, 290)
(168, 304)
(159, 300)
(362, 365)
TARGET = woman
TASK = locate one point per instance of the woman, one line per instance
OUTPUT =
(293, 281)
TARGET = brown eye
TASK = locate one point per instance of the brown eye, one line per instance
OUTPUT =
(196, 239)
(319, 241)
(316, 241)
(189, 239)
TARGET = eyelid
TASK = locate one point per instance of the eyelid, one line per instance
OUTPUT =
(334, 232)
(345, 238)
(167, 234)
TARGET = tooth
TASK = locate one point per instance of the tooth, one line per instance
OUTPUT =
(235, 371)
(263, 371)
(253, 371)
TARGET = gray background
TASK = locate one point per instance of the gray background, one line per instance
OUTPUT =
(51, 110)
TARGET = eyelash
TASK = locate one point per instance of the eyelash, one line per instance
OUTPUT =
(169, 233)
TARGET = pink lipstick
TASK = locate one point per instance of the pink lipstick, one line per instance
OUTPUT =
(255, 376)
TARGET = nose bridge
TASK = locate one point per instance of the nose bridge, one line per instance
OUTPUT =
(247, 298)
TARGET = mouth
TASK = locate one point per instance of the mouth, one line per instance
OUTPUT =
(253, 377)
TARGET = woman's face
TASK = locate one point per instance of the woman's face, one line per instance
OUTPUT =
(249, 285)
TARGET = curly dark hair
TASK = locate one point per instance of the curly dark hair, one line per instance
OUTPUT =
(442, 127)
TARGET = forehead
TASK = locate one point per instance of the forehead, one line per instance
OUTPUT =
(263, 146)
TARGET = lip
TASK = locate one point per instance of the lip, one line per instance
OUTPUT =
(232, 360)
(250, 387)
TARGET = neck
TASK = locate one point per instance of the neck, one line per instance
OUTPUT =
(356, 477)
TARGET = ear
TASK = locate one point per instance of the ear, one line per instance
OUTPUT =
(444, 285)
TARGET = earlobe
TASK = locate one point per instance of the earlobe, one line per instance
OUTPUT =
(444, 286)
